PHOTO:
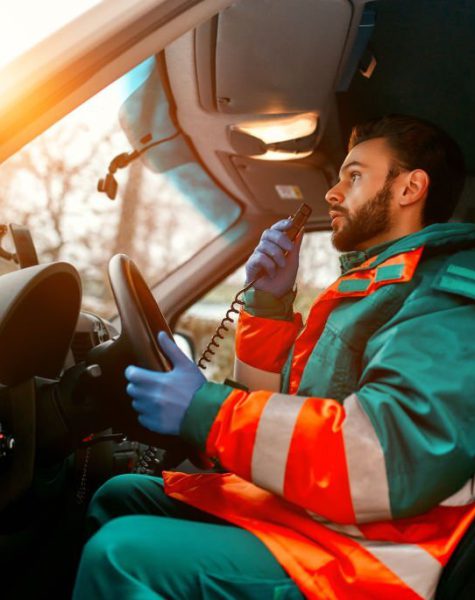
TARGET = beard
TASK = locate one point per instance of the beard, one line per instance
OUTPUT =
(371, 219)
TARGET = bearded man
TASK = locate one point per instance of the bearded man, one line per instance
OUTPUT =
(349, 455)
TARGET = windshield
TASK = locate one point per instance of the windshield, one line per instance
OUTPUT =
(166, 207)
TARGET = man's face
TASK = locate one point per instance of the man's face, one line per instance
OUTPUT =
(360, 203)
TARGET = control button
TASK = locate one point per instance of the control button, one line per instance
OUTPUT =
(7, 443)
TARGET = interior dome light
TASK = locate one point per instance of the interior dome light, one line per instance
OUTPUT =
(278, 155)
(281, 129)
(279, 138)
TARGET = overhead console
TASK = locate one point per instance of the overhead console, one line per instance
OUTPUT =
(253, 90)
(262, 93)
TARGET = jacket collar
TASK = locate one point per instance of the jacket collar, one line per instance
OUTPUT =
(437, 235)
(352, 260)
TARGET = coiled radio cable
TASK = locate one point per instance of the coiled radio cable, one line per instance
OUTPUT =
(223, 327)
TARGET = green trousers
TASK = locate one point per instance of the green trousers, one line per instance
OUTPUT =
(146, 545)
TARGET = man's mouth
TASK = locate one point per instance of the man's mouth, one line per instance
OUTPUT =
(335, 214)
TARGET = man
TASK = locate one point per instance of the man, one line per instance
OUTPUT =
(351, 453)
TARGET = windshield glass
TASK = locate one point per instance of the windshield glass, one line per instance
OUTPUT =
(166, 207)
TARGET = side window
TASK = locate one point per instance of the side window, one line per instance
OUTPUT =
(319, 267)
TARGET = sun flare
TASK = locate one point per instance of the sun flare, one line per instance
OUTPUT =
(24, 23)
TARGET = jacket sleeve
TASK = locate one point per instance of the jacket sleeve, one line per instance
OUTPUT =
(402, 443)
(266, 331)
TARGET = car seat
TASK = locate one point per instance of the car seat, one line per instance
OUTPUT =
(458, 577)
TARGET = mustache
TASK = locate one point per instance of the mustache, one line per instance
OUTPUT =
(338, 209)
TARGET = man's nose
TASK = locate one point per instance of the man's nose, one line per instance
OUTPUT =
(334, 194)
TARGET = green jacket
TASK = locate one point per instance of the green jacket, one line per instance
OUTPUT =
(406, 349)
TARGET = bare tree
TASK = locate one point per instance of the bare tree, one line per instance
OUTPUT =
(48, 184)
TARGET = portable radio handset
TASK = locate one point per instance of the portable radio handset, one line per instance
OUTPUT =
(298, 220)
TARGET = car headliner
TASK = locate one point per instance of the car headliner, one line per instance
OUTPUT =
(425, 52)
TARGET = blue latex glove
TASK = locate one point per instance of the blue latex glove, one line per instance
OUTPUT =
(278, 257)
(162, 398)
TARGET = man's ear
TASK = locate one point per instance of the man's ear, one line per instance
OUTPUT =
(415, 186)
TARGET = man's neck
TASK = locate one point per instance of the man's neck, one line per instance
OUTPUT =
(395, 233)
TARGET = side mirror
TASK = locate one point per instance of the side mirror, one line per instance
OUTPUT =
(186, 344)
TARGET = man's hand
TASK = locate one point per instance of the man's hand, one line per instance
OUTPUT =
(162, 398)
(277, 257)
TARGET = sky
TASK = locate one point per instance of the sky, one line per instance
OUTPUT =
(24, 23)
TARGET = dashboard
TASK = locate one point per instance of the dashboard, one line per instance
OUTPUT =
(48, 402)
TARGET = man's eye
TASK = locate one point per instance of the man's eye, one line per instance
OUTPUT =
(354, 175)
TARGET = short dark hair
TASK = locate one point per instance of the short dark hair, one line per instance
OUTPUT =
(419, 144)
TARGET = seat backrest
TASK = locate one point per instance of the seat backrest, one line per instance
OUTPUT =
(457, 581)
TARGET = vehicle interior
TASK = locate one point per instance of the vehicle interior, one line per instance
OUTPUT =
(229, 114)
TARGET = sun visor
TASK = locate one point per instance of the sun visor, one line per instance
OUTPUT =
(282, 186)
(146, 113)
(273, 57)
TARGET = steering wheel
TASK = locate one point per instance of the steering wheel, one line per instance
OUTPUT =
(139, 313)
(141, 320)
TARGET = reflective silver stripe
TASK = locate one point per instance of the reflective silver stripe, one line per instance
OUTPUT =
(465, 495)
(351, 531)
(273, 438)
(255, 379)
(418, 569)
(366, 466)
(412, 564)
